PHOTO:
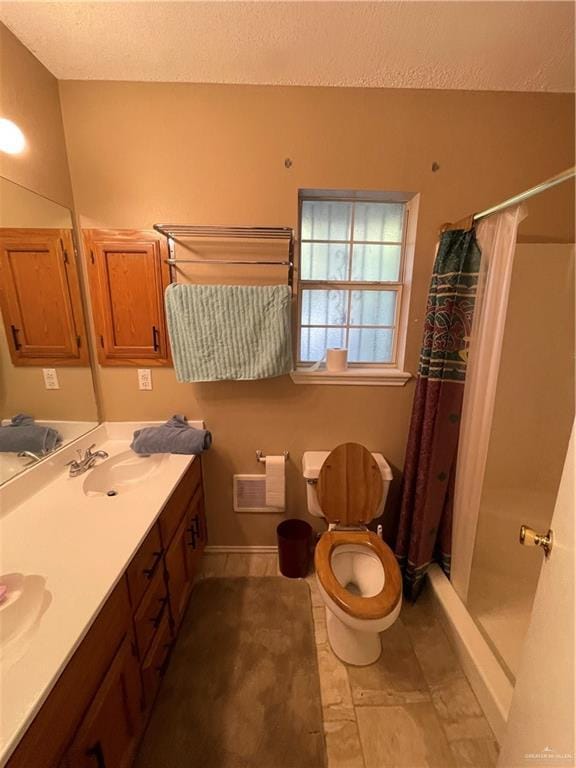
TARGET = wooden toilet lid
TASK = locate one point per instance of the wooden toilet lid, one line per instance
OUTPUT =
(376, 607)
(350, 485)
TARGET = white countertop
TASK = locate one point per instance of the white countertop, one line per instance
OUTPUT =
(80, 545)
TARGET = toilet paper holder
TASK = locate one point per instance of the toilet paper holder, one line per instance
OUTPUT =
(260, 456)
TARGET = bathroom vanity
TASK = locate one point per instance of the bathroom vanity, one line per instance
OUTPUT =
(117, 550)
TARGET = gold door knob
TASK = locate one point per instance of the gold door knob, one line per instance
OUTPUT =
(529, 538)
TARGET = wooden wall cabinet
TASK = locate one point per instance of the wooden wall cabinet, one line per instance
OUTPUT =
(40, 298)
(128, 275)
(96, 713)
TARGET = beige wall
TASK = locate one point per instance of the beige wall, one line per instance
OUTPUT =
(144, 153)
(534, 407)
(29, 97)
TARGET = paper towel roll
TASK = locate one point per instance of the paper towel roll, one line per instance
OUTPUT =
(275, 481)
(336, 359)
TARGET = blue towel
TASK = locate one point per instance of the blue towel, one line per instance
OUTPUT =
(23, 434)
(229, 331)
(176, 436)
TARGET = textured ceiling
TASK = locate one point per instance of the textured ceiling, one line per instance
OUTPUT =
(512, 46)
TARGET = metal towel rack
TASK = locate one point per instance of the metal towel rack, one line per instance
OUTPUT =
(175, 233)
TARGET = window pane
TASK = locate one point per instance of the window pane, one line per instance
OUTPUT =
(376, 262)
(315, 341)
(324, 307)
(325, 220)
(378, 221)
(324, 261)
(370, 345)
(372, 307)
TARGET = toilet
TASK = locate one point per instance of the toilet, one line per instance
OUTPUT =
(357, 573)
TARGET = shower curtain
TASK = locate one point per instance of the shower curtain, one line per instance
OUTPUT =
(425, 526)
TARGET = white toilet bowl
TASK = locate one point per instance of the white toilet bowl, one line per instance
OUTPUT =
(361, 573)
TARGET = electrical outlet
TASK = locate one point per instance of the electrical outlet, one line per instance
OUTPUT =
(144, 378)
(50, 378)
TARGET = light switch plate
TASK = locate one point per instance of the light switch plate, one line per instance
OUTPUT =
(50, 378)
(144, 378)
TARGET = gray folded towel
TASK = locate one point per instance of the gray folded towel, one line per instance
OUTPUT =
(176, 436)
(23, 434)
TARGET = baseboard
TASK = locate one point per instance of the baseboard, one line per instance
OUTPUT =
(247, 550)
(491, 686)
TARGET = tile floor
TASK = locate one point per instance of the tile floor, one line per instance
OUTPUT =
(414, 708)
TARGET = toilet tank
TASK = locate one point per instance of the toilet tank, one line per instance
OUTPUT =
(312, 462)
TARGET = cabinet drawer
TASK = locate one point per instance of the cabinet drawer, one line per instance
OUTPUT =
(178, 503)
(144, 566)
(156, 661)
(151, 611)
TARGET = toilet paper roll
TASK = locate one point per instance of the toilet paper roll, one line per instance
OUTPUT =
(275, 481)
(336, 359)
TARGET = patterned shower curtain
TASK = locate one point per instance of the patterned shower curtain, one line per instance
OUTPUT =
(425, 527)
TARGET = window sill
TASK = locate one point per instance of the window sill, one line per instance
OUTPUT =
(371, 377)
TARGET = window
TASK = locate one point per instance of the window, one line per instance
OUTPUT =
(352, 280)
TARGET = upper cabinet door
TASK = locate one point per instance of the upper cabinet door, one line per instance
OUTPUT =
(128, 275)
(40, 298)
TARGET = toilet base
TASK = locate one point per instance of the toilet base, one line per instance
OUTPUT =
(350, 645)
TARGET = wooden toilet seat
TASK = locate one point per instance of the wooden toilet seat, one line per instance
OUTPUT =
(376, 607)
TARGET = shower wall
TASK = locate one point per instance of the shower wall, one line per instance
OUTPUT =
(534, 409)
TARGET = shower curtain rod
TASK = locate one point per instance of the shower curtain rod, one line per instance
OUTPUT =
(548, 184)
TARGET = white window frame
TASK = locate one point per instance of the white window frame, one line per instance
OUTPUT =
(378, 374)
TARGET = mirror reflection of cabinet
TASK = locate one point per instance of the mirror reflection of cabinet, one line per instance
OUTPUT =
(40, 298)
(128, 275)
(42, 326)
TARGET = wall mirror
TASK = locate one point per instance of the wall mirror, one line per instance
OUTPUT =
(47, 395)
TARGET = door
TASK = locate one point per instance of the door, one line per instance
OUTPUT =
(179, 570)
(541, 723)
(128, 275)
(110, 729)
(183, 556)
(40, 298)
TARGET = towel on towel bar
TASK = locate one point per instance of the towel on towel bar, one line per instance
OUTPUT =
(23, 434)
(176, 436)
(229, 331)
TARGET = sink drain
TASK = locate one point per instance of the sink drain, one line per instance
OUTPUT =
(111, 493)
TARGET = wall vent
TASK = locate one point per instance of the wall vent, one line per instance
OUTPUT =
(250, 494)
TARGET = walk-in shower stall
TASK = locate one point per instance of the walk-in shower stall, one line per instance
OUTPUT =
(516, 421)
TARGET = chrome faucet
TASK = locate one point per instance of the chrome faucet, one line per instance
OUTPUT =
(29, 455)
(85, 461)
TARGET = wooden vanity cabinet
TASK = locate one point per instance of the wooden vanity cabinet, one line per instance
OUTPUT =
(128, 275)
(96, 713)
(40, 298)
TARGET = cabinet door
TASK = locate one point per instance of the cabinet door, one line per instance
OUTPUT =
(128, 275)
(110, 730)
(180, 571)
(40, 298)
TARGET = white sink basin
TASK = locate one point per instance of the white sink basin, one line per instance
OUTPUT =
(121, 473)
(20, 612)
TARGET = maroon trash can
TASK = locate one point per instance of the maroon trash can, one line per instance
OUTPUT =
(294, 548)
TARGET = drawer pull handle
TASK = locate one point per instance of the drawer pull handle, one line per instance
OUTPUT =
(161, 669)
(194, 531)
(15, 332)
(96, 752)
(149, 572)
(158, 618)
(155, 341)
